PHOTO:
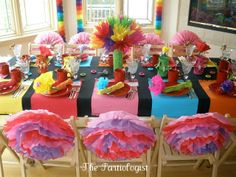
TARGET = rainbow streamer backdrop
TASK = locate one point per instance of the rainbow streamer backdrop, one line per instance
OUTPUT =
(79, 10)
(60, 19)
(158, 16)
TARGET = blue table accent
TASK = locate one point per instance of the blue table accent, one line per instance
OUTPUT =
(86, 63)
(174, 106)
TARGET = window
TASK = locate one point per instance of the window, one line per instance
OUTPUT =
(25, 17)
(96, 10)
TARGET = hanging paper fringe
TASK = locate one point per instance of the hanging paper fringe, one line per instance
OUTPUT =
(79, 12)
(60, 19)
(158, 16)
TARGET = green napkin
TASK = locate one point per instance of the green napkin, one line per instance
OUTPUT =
(187, 84)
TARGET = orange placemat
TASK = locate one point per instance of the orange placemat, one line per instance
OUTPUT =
(219, 103)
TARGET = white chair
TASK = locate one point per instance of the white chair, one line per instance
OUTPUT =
(88, 157)
(231, 146)
(67, 161)
(75, 49)
(169, 157)
(4, 146)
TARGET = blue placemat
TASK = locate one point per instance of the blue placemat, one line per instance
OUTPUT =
(174, 106)
(86, 63)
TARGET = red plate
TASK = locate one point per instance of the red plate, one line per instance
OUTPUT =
(10, 89)
(121, 92)
(180, 92)
(215, 87)
(60, 93)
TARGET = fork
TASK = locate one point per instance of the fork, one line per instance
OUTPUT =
(19, 91)
(72, 93)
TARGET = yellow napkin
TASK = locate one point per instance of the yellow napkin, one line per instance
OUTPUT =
(10, 105)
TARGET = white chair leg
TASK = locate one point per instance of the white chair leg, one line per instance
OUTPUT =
(1, 167)
(215, 164)
(148, 163)
(90, 174)
(22, 167)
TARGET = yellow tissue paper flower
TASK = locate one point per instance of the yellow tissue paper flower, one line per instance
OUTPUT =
(43, 83)
(165, 49)
(120, 32)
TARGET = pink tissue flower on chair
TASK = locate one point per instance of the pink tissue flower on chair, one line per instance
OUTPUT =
(51, 38)
(185, 37)
(80, 38)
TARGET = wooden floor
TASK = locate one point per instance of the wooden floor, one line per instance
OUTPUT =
(13, 170)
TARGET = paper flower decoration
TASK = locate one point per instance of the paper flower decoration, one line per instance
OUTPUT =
(202, 46)
(198, 134)
(80, 38)
(51, 38)
(185, 37)
(116, 33)
(227, 86)
(102, 83)
(157, 85)
(43, 83)
(152, 38)
(39, 134)
(118, 135)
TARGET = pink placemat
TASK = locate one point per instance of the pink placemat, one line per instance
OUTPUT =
(105, 103)
(62, 106)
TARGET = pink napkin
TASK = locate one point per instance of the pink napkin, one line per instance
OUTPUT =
(104, 103)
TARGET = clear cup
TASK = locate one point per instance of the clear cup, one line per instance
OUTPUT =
(17, 51)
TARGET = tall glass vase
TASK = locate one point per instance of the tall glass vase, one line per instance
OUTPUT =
(117, 59)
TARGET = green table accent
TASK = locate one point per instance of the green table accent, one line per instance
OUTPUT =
(163, 65)
(187, 84)
(117, 59)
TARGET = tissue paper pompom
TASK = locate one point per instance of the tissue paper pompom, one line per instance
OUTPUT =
(102, 83)
(39, 134)
(185, 37)
(227, 86)
(80, 38)
(51, 38)
(118, 135)
(157, 85)
(198, 134)
(152, 38)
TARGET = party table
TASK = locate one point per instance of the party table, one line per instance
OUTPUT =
(144, 103)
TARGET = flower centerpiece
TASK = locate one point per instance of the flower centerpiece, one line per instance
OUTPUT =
(116, 35)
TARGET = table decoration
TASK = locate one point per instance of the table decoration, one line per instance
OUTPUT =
(43, 83)
(116, 35)
(198, 134)
(51, 38)
(119, 75)
(80, 38)
(60, 19)
(12, 102)
(221, 103)
(112, 88)
(4, 70)
(163, 63)
(113, 99)
(42, 63)
(71, 65)
(39, 134)
(200, 60)
(12, 84)
(185, 37)
(118, 135)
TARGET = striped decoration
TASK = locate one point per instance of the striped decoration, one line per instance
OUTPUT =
(60, 19)
(79, 11)
(158, 16)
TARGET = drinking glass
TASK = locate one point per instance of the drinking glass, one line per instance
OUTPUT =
(24, 67)
(186, 68)
(58, 52)
(74, 67)
(189, 50)
(132, 69)
(17, 51)
(226, 53)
